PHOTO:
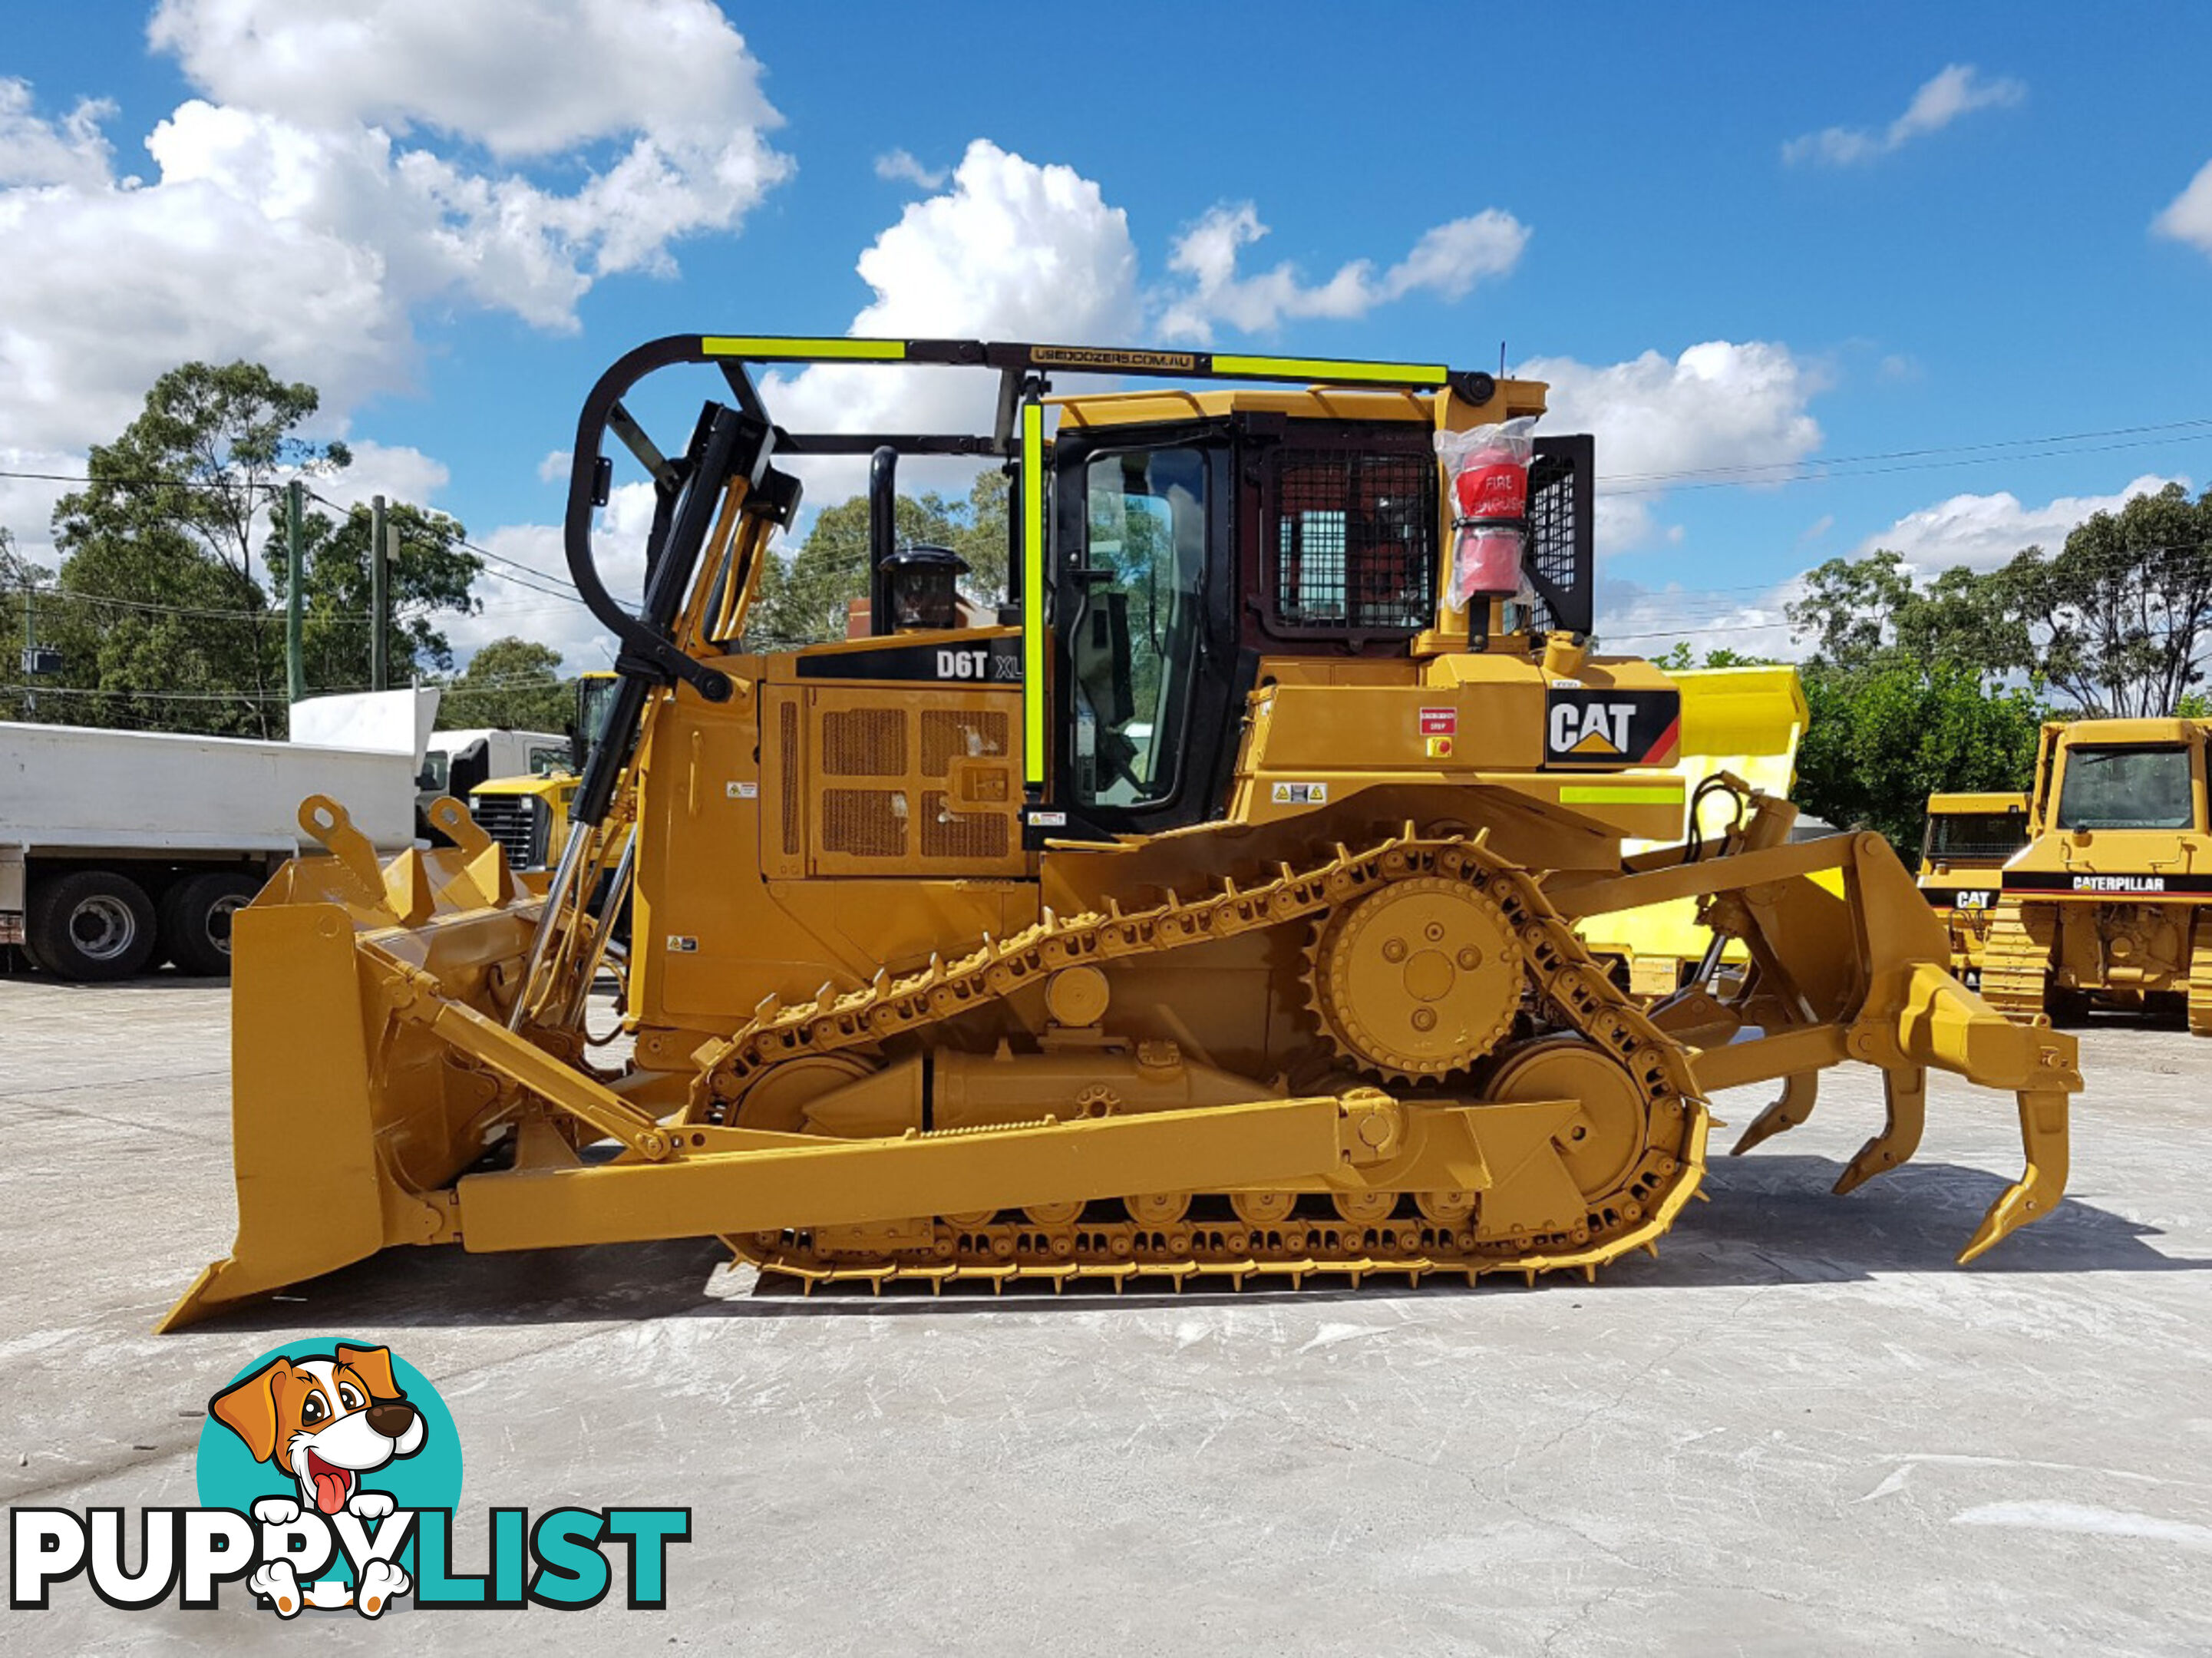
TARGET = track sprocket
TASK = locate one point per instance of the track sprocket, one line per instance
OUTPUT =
(1416, 981)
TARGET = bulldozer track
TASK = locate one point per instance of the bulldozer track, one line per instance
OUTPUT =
(2016, 963)
(2200, 976)
(1340, 1240)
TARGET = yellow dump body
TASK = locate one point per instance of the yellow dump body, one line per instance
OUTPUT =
(1743, 722)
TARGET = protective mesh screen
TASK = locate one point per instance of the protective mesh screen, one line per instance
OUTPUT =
(1355, 540)
(1552, 556)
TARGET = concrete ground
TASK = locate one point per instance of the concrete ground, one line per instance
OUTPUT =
(1800, 1429)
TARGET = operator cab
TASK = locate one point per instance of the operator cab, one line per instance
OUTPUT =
(1189, 553)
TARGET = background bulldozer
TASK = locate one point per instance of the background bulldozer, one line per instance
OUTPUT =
(1964, 848)
(2111, 902)
(1213, 912)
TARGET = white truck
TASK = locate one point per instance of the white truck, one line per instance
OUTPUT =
(119, 849)
(457, 761)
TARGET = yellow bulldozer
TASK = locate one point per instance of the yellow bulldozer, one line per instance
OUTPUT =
(1211, 914)
(1964, 847)
(2110, 904)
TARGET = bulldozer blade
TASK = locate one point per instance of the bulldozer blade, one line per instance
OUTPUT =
(308, 1190)
(2037, 1191)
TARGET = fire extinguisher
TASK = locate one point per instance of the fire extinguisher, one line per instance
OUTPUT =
(1489, 468)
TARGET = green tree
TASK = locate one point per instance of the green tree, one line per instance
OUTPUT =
(21, 580)
(805, 599)
(1882, 739)
(1848, 608)
(432, 573)
(2120, 618)
(167, 617)
(2117, 622)
(1679, 658)
(980, 535)
(512, 682)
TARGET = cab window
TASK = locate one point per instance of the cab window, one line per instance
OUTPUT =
(2126, 788)
(1977, 835)
(1139, 632)
(545, 759)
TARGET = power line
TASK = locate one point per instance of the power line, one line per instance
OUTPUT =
(2201, 423)
(148, 481)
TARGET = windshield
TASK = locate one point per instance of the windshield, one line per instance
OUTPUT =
(1136, 640)
(544, 762)
(1989, 836)
(2130, 788)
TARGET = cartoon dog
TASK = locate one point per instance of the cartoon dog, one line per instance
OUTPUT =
(324, 1420)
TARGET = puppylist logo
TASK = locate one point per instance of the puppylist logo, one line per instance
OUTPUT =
(328, 1475)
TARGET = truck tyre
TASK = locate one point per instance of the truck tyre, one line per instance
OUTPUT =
(91, 925)
(196, 917)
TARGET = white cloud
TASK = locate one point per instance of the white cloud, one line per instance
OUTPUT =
(1012, 250)
(1957, 89)
(1729, 411)
(2188, 216)
(522, 607)
(1983, 531)
(1647, 620)
(523, 77)
(27, 503)
(280, 225)
(35, 152)
(397, 471)
(1980, 531)
(1448, 261)
(899, 166)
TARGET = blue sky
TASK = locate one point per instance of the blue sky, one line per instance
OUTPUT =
(2018, 260)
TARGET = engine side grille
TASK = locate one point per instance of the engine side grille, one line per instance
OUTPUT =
(864, 742)
(966, 834)
(951, 734)
(787, 743)
(864, 822)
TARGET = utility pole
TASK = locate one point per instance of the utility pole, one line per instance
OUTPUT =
(30, 649)
(295, 675)
(380, 598)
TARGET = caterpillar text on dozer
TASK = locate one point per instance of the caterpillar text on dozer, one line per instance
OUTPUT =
(1209, 909)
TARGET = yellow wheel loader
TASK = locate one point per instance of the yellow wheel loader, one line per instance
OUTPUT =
(1213, 914)
(1964, 848)
(2110, 902)
(528, 815)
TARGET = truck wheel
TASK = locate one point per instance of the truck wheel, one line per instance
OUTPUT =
(196, 916)
(91, 924)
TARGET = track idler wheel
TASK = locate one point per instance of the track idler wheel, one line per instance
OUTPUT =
(1606, 1139)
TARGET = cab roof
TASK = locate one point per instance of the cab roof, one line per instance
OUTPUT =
(1152, 405)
